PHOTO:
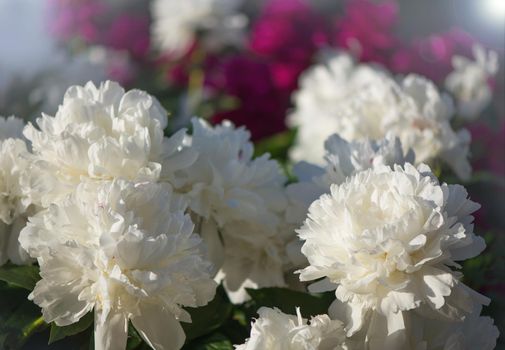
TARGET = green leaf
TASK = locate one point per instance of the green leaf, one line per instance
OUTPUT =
(58, 333)
(208, 318)
(288, 300)
(11, 297)
(216, 341)
(237, 327)
(134, 339)
(22, 276)
(277, 145)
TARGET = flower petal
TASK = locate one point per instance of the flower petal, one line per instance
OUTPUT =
(111, 333)
(159, 328)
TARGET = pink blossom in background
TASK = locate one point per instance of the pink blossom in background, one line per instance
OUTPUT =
(129, 32)
(489, 152)
(288, 33)
(283, 42)
(261, 105)
(366, 29)
(179, 69)
(98, 23)
(432, 56)
(76, 18)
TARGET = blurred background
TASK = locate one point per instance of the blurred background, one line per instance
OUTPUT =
(48, 45)
(244, 63)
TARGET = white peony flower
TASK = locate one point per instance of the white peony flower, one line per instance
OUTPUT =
(475, 332)
(415, 330)
(343, 159)
(387, 241)
(128, 252)
(237, 202)
(14, 204)
(427, 129)
(253, 257)
(364, 102)
(469, 81)
(274, 330)
(176, 23)
(322, 89)
(102, 133)
(14, 161)
(225, 183)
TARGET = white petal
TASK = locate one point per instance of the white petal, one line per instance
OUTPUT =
(159, 328)
(111, 333)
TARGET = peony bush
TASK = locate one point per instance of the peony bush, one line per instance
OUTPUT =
(137, 228)
(283, 175)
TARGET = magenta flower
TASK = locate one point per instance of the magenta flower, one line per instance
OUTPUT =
(489, 156)
(261, 105)
(366, 29)
(129, 32)
(489, 152)
(288, 33)
(97, 22)
(432, 56)
(77, 18)
(179, 69)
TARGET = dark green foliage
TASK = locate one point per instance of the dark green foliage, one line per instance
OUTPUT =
(58, 333)
(21, 276)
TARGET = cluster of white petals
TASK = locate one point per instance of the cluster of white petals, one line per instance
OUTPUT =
(225, 183)
(342, 160)
(388, 241)
(237, 201)
(469, 81)
(14, 204)
(136, 227)
(176, 23)
(475, 332)
(126, 251)
(254, 256)
(111, 236)
(364, 102)
(108, 232)
(274, 330)
(102, 133)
